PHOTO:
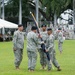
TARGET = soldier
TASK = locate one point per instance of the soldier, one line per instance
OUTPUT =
(60, 40)
(18, 45)
(43, 57)
(32, 42)
(51, 50)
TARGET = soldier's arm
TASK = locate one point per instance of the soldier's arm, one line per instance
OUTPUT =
(51, 45)
(24, 33)
(61, 37)
(35, 37)
(14, 41)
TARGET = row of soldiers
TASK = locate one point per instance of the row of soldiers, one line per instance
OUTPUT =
(34, 46)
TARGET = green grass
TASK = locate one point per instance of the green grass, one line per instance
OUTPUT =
(66, 60)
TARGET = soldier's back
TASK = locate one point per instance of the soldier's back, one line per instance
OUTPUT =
(31, 41)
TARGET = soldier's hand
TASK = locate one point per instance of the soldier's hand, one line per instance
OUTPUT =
(39, 36)
(14, 49)
(60, 52)
(46, 50)
(42, 42)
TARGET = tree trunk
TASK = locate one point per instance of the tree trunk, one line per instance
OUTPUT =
(3, 10)
(20, 11)
(55, 19)
(74, 12)
(37, 11)
(0, 9)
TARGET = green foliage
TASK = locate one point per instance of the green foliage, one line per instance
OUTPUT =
(56, 6)
(66, 60)
(53, 6)
(12, 8)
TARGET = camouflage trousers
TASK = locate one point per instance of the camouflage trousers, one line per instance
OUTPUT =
(18, 57)
(43, 58)
(53, 60)
(32, 58)
(60, 46)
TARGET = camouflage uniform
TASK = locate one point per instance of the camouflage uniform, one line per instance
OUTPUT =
(18, 42)
(60, 41)
(43, 57)
(32, 41)
(51, 50)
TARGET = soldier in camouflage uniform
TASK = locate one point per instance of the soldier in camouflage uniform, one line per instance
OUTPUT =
(32, 42)
(60, 40)
(51, 50)
(43, 57)
(18, 45)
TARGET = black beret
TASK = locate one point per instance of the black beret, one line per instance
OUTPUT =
(49, 29)
(33, 28)
(20, 25)
(43, 25)
(59, 28)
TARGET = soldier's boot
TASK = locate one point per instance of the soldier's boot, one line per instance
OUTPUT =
(43, 67)
(49, 70)
(31, 70)
(58, 69)
(17, 68)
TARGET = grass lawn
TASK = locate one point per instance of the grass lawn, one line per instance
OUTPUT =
(66, 60)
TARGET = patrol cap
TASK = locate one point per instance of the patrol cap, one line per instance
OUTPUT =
(20, 25)
(49, 29)
(59, 28)
(33, 28)
(43, 25)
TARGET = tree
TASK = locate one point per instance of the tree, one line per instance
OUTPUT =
(56, 7)
(0, 9)
(12, 8)
(53, 7)
(74, 12)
